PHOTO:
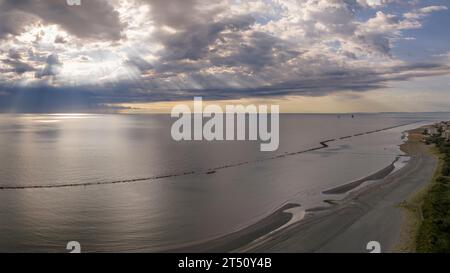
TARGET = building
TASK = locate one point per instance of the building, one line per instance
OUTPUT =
(432, 130)
(446, 135)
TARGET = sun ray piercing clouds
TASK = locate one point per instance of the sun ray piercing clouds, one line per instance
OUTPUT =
(308, 55)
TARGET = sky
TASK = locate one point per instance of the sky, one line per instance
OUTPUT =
(313, 56)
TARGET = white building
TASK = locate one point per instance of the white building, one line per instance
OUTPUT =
(446, 135)
(432, 130)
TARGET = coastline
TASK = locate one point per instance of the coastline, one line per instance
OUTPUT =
(413, 211)
(230, 242)
(342, 189)
(373, 212)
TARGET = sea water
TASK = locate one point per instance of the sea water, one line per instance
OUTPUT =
(190, 202)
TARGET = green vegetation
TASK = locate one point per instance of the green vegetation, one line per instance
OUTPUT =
(434, 231)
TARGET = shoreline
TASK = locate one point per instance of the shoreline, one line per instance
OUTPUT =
(369, 213)
(413, 210)
(232, 241)
(345, 188)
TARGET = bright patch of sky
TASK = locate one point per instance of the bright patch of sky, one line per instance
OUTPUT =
(142, 51)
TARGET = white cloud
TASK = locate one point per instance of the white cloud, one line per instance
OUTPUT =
(420, 13)
(271, 47)
(374, 3)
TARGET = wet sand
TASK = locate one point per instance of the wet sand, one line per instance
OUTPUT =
(350, 186)
(233, 241)
(370, 213)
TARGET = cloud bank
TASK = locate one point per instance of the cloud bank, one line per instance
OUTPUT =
(106, 52)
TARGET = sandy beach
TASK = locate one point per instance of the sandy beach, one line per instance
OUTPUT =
(372, 213)
(369, 213)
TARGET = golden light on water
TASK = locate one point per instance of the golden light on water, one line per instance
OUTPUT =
(55, 118)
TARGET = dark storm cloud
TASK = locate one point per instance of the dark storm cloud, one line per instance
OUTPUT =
(18, 66)
(97, 98)
(196, 25)
(12, 22)
(60, 40)
(15, 63)
(95, 19)
(193, 41)
(186, 48)
(259, 50)
(331, 82)
(13, 54)
(52, 67)
(180, 14)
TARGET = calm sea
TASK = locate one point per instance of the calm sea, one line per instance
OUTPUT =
(154, 214)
